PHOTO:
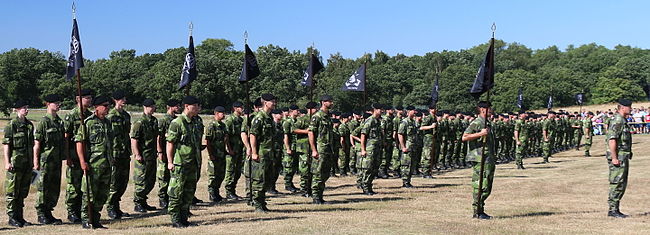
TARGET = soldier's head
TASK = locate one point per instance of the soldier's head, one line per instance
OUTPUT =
(191, 106)
(119, 98)
(376, 109)
(445, 114)
(590, 115)
(293, 110)
(345, 117)
(148, 106)
(257, 104)
(237, 107)
(268, 102)
(21, 107)
(86, 97)
(102, 104)
(219, 113)
(389, 110)
(53, 102)
(173, 106)
(285, 112)
(410, 111)
(483, 108)
(522, 115)
(624, 107)
(433, 108)
(277, 115)
(327, 102)
(551, 115)
(311, 107)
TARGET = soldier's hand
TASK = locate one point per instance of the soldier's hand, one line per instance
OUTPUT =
(518, 142)
(37, 167)
(9, 167)
(405, 150)
(248, 152)
(363, 152)
(314, 154)
(212, 158)
(616, 162)
(84, 166)
(484, 132)
(231, 153)
(546, 140)
(160, 156)
(170, 166)
(69, 163)
(138, 158)
(255, 157)
(289, 151)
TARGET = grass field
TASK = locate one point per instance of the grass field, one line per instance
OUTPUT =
(567, 196)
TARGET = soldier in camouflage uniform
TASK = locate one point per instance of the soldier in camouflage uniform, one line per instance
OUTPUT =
(397, 152)
(276, 160)
(18, 145)
(458, 143)
(94, 144)
(234, 163)
(548, 131)
(587, 128)
(320, 143)
(49, 152)
(443, 129)
(144, 145)
(162, 173)
(619, 154)
(344, 152)
(521, 137)
(474, 135)
(74, 174)
(429, 124)
(121, 161)
(406, 135)
(355, 148)
(262, 134)
(183, 151)
(387, 143)
(371, 149)
(301, 130)
(577, 132)
(218, 144)
(290, 158)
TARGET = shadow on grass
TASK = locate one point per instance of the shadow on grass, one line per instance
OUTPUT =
(244, 220)
(511, 176)
(327, 209)
(340, 186)
(133, 216)
(375, 198)
(542, 213)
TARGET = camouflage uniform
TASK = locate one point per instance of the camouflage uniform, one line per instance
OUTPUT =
(304, 154)
(620, 131)
(263, 129)
(98, 141)
(371, 128)
(145, 132)
(397, 152)
(577, 132)
(276, 160)
(289, 161)
(216, 135)
(50, 133)
(182, 185)
(548, 126)
(587, 127)
(388, 128)
(344, 151)
(443, 129)
(407, 129)
(121, 163)
(19, 137)
(162, 173)
(74, 174)
(426, 162)
(321, 127)
(234, 163)
(521, 126)
(354, 149)
(474, 156)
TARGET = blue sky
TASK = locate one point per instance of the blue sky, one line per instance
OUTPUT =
(349, 27)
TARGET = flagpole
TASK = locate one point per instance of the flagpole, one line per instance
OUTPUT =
(487, 126)
(248, 120)
(187, 87)
(365, 87)
(313, 79)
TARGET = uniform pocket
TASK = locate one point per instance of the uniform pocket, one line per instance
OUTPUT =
(19, 140)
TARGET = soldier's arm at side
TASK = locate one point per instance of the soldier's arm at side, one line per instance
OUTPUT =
(244, 138)
(136, 150)
(226, 139)
(7, 152)
(159, 145)
(363, 144)
(210, 148)
(285, 140)
(170, 156)
(37, 154)
(613, 152)
(253, 145)
(82, 155)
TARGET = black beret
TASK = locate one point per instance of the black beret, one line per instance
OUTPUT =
(387, 107)
(285, 109)
(257, 102)
(439, 114)
(410, 107)
(336, 113)
(345, 115)
(147, 102)
(590, 113)
(625, 102)
(366, 115)
(335, 120)
(399, 107)
(247, 111)
(20, 104)
(358, 113)
(85, 92)
(118, 95)
(551, 112)
(237, 104)
(484, 104)
(433, 105)
(276, 111)
(311, 105)
(100, 100)
(52, 98)
(190, 100)
(172, 103)
(268, 97)
(303, 111)
(326, 98)
(445, 111)
(219, 109)
(511, 113)
(293, 107)
(418, 114)
(521, 112)
(377, 106)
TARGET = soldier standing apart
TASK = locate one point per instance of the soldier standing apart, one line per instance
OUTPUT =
(95, 149)
(587, 127)
(49, 152)
(406, 135)
(475, 134)
(183, 151)
(18, 145)
(371, 144)
(320, 142)
(547, 134)
(72, 122)
(121, 162)
(162, 173)
(261, 137)
(619, 154)
(521, 137)
(144, 144)
(217, 141)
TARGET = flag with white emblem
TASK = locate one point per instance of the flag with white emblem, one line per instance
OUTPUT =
(189, 67)
(356, 82)
(75, 57)
(313, 67)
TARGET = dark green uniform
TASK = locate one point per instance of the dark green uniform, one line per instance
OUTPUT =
(234, 162)
(387, 127)
(74, 174)
(182, 185)
(162, 173)
(620, 131)
(263, 129)
(145, 132)
(474, 157)
(372, 130)
(408, 130)
(289, 161)
(521, 127)
(322, 128)
(354, 148)
(587, 127)
(19, 137)
(304, 154)
(344, 151)
(50, 133)
(428, 151)
(216, 135)
(121, 163)
(276, 162)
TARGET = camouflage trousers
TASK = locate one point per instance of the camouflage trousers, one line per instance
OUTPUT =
(289, 167)
(426, 164)
(354, 156)
(386, 156)
(73, 195)
(258, 179)
(407, 166)
(344, 160)
(144, 178)
(459, 156)
(234, 166)
(588, 140)
(617, 183)
(304, 166)
(216, 175)
(182, 186)
(99, 185)
(119, 181)
(275, 167)
(577, 138)
(16, 189)
(320, 173)
(488, 178)
(521, 151)
(369, 166)
(163, 176)
(396, 158)
(546, 149)
(49, 186)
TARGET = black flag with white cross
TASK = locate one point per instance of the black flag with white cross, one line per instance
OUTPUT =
(189, 67)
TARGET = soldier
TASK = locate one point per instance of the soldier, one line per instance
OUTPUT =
(388, 130)
(577, 124)
(18, 143)
(218, 144)
(198, 125)
(397, 151)
(548, 133)
(371, 144)
(619, 154)
(587, 126)
(521, 136)
(443, 129)
(162, 173)
(276, 160)
(49, 152)
(301, 130)
(121, 161)
(344, 140)
(320, 141)
(429, 124)
(406, 135)
(74, 174)
(354, 149)
(183, 151)
(290, 158)
(474, 135)
(261, 142)
(94, 145)
(234, 162)
(144, 144)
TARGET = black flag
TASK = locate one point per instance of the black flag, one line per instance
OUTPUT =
(189, 67)
(356, 82)
(75, 57)
(549, 104)
(484, 80)
(250, 69)
(520, 100)
(646, 88)
(314, 67)
(580, 98)
(434, 92)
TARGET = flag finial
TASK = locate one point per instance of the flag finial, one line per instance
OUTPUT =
(191, 28)
(494, 28)
(246, 37)
(74, 10)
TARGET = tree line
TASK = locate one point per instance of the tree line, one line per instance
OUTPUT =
(603, 74)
